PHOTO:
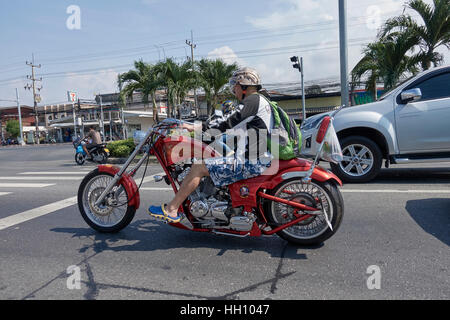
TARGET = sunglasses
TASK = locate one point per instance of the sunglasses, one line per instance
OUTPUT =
(233, 84)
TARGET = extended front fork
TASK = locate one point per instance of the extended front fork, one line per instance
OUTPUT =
(119, 174)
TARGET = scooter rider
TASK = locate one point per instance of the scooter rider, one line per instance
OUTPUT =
(256, 115)
(94, 138)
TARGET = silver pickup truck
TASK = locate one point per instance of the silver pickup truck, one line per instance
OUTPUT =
(409, 124)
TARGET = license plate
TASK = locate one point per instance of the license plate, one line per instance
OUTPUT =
(106, 150)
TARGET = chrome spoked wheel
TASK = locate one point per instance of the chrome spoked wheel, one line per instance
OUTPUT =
(310, 194)
(357, 161)
(114, 213)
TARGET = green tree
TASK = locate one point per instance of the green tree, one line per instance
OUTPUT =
(145, 79)
(386, 60)
(12, 127)
(178, 79)
(213, 75)
(431, 34)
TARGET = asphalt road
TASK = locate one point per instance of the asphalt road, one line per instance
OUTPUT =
(396, 227)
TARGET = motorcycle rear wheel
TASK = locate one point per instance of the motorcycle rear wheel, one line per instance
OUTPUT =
(314, 230)
(105, 218)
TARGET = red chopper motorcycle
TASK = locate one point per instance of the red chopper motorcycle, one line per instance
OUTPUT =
(295, 199)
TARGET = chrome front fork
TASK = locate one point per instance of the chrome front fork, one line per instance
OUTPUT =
(119, 174)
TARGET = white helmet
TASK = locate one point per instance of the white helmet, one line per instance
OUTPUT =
(245, 77)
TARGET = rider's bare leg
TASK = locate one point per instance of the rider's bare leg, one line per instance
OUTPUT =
(189, 184)
(86, 150)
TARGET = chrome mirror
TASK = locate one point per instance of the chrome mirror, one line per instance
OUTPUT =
(411, 95)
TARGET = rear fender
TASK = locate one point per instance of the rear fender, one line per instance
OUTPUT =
(318, 174)
(126, 181)
(244, 192)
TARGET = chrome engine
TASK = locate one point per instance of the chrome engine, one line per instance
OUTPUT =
(211, 206)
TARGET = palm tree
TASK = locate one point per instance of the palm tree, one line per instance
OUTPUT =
(387, 60)
(178, 80)
(368, 65)
(144, 79)
(433, 33)
(213, 76)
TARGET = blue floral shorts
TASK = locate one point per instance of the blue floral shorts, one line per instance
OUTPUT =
(225, 171)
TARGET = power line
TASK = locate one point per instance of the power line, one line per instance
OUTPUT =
(243, 54)
(217, 39)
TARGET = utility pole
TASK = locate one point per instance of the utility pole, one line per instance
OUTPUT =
(343, 52)
(193, 46)
(298, 66)
(35, 97)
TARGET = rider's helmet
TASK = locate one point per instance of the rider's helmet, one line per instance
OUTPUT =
(227, 107)
(245, 77)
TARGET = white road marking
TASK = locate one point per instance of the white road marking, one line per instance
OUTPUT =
(394, 191)
(4, 193)
(36, 212)
(25, 185)
(54, 173)
(156, 189)
(41, 178)
(149, 178)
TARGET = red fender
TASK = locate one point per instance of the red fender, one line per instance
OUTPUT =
(244, 192)
(126, 181)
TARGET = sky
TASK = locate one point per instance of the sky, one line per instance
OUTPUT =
(84, 50)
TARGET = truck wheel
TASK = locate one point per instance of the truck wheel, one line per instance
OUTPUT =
(361, 162)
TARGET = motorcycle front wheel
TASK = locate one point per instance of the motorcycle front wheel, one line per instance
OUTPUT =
(79, 158)
(314, 230)
(114, 213)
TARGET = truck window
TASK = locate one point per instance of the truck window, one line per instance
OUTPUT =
(436, 87)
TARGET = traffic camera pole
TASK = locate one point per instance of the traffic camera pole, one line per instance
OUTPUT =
(343, 52)
(299, 66)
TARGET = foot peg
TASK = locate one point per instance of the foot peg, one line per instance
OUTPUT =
(161, 178)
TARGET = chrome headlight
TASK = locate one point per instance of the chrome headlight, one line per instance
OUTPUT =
(138, 136)
(313, 122)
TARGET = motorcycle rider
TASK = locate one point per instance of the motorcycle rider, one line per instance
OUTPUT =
(255, 114)
(94, 138)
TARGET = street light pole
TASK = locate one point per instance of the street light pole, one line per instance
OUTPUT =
(20, 118)
(343, 52)
(101, 118)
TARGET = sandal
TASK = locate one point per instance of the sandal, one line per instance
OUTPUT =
(160, 213)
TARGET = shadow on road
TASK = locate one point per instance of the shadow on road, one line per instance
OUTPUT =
(150, 235)
(433, 216)
(413, 175)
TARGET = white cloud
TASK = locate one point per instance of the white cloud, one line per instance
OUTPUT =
(294, 12)
(104, 81)
(317, 21)
(227, 55)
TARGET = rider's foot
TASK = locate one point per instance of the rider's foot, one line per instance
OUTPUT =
(161, 212)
